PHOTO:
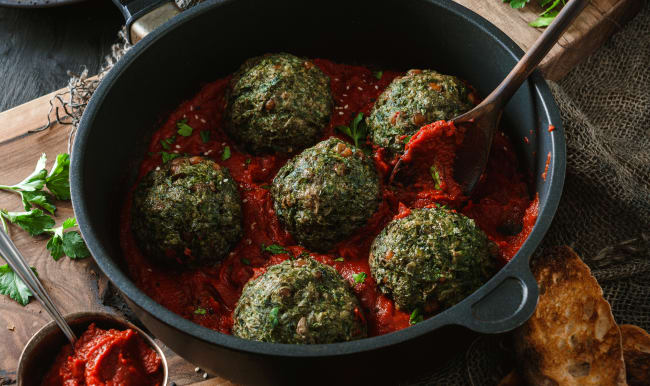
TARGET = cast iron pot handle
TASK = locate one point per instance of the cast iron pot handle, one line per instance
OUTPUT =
(507, 302)
(143, 16)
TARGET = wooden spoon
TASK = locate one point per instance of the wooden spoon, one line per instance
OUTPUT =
(482, 121)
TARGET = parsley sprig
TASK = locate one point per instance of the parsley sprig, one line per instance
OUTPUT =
(551, 9)
(12, 286)
(36, 222)
(358, 130)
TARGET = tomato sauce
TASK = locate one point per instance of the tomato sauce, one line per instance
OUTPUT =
(106, 357)
(208, 295)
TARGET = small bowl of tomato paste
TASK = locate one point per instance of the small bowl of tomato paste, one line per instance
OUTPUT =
(108, 350)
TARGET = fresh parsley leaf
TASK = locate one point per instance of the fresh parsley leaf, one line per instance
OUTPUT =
(183, 128)
(58, 181)
(34, 181)
(37, 197)
(436, 176)
(69, 243)
(74, 246)
(200, 311)
(416, 316)
(12, 286)
(274, 249)
(359, 277)
(205, 135)
(518, 3)
(379, 74)
(357, 131)
(245, 261)
(226, 153)
(166, 157)
(339, 259)
(543, 21)
(34, 221)
(273, 316)
(166, 143)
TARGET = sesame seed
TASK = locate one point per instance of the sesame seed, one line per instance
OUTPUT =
(345, 95)
(157, 168)
(205, 375)
(346, 107)
(253, 225)
(359, 88)
(149, 269)
(192, 108)
(376, 87)
(178, 146)
(196, 116)
(175, 151)
(223, 143)
(225, 180)
(264, 169)
(203, 120)
(196, 370)
(184, 116)
(249, 241)
(245, 200)
(505, 148)
(231, 254)
(347, 87)
(340, 112)
(337, 79)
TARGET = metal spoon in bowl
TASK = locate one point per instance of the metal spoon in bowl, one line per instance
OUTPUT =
(18, 263)
(482, 121)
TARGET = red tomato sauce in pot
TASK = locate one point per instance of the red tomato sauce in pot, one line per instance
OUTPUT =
(208, 295)
(106, 357)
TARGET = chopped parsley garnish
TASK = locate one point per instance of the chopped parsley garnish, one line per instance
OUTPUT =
(205, 135)
(266, 186)
(12, 286)
(274, 249)
(248, 161)
(226, 153)
(416, 316)
(339, 259)
(245, 261)
(436, 176)
(550, 7)
(273, 316)
(378, 74)
(200, 311)
(407, 139)
(183, 128)
(167, 142)
(358, 130)
(166, 157)
(359, 277)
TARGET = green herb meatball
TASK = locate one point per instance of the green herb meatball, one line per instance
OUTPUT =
(278, 103)
(298, 301)
(326, 193)
(412, 101)
(187, 211)
(432, 258)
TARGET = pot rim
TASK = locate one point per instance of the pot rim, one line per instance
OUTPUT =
(555, 178)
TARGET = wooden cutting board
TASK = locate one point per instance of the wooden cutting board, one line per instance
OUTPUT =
(78, 285)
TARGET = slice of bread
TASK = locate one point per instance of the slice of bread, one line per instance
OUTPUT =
(636, 352)
(572, 338)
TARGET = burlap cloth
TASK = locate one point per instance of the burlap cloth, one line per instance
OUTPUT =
(604, 213)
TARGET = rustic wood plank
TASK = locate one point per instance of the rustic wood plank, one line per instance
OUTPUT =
(599, 20)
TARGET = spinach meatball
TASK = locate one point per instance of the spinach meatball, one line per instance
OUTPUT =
(412, 101)
(278, 103)
(432, 258)
(325, 193)
(187, 211)
(298, 301)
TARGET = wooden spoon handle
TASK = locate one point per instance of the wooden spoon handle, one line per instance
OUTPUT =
(535, 54)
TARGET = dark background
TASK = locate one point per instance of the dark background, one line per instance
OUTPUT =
(39, 45)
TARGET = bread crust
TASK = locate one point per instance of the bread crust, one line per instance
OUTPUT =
(636, 352)
(572, 338)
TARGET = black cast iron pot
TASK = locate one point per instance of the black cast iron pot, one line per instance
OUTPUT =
(211, 41)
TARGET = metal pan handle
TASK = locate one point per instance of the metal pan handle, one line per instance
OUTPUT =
(507, 302)
(143, 16)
